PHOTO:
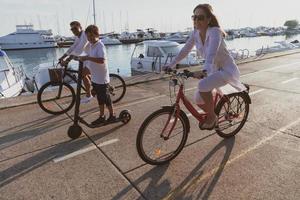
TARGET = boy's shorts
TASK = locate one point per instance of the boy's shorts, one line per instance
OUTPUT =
(102, 93)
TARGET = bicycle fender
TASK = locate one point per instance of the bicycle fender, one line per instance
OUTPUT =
(182, 113)
(248, 99)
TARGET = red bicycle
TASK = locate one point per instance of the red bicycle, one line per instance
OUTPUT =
(164, 133)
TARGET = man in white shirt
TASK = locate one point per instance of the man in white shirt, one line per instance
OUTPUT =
(75, 50)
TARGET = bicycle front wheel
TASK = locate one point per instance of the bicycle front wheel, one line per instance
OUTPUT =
(155, 147)
(117, 87)
(56, 98)
(232, 111)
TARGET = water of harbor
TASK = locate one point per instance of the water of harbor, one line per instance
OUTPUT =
(119, 56)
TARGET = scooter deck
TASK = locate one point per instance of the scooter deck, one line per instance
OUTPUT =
(99, 125)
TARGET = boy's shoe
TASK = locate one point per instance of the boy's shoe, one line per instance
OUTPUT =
(112, 118)
(98, 121)
(86, 99)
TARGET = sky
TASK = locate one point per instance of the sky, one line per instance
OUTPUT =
(163, 15)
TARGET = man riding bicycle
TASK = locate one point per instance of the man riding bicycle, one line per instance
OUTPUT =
(75, 50)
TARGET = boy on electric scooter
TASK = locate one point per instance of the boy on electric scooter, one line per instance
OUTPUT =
(95, 61)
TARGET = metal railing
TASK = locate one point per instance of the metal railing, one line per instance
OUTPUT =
(158, 60)
(240, 54)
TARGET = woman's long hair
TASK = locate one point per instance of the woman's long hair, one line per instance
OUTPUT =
(209, 13)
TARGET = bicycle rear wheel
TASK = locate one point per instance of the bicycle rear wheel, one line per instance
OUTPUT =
(232, 111)
(152, 146)
(56, 98)
(117, 87)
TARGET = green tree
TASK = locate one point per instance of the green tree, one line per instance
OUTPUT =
(291, 24)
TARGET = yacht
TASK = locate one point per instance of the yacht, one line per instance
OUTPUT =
(177, 37)
(63, 41)
(107, 40)
(151, 55)
(129, 38)
(281, 46)
(151, 34)
(26, 37)
(248, 32)
(12, 79)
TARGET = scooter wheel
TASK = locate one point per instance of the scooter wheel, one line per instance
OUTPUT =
(74, 131)
(125, 116)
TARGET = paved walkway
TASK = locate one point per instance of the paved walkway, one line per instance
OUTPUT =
(39, 161)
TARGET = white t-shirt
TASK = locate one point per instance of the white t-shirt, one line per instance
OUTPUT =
(78, 47)
(99, 72)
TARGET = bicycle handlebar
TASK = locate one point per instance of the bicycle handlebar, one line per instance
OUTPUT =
(186, 73)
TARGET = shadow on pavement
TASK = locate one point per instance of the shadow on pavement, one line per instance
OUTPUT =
(29, 130)
(163, 190)
(153, 177)
(45, 156)
(189, 185)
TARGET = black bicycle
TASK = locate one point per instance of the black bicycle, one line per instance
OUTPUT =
(58, 95)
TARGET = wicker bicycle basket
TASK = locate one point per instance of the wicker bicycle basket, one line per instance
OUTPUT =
(55, 75)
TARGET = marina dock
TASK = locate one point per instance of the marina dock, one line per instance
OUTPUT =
(39, 161)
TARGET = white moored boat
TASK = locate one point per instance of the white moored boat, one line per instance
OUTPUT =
(150, 56)
(26, 37)
(281, 46)
(110, 41)
(177, 37)
(12, 79)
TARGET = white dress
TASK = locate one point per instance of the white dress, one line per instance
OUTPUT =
(219, 64)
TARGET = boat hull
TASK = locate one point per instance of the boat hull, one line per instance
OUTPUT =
(28, 46)
(14, 90)
(130, 41)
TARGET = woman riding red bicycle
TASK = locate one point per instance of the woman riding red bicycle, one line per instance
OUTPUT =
(221, 69)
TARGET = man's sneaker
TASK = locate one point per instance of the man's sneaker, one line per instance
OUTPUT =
(98, 121)
(112, 118)
(86, 99)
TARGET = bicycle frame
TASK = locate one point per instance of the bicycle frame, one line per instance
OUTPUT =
(68, 72)
(181, 97)
(199, 116)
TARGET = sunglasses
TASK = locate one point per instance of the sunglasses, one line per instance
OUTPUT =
(198, 17)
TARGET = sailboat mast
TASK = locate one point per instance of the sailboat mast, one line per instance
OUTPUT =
(94, 12)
